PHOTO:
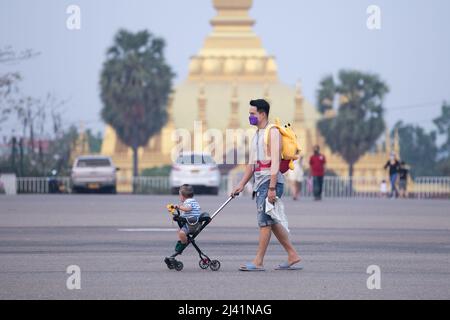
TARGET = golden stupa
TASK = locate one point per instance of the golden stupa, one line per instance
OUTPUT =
(231, 69)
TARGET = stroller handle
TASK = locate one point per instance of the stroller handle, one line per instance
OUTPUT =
(224, 205)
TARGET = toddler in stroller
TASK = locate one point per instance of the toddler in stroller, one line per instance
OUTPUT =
(191, 222)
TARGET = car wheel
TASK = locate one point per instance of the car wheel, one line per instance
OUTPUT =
(175, 191)
(214, 191)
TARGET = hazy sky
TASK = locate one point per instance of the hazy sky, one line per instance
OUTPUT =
(310, 39)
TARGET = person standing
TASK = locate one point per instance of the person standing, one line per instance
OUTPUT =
(264, 166)
(394, 166)
(383, 189)
(403, 179)
(295, 178)
(317, 164)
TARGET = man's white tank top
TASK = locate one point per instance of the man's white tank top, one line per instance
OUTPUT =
(261, 161)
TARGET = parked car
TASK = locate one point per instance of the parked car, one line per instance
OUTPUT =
(196, 169)
(93, 173)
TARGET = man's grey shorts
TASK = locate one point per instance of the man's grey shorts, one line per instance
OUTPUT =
(264, 219)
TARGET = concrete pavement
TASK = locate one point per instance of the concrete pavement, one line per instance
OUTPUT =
(119, 243)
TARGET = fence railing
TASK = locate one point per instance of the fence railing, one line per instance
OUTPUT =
(432, 187)
(43, 184)
(149, 185)
(333, 187)
(370, 187)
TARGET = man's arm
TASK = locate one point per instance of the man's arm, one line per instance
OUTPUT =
(248, 173)
(275, 157)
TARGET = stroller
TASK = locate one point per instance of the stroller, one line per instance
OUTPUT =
(196, 226)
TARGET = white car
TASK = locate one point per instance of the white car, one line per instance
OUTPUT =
(93, 173)
(196, 169)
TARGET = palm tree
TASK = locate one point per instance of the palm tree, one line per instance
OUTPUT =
(358, 124)
(135, 83)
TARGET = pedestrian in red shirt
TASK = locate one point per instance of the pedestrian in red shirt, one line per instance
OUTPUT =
(317, 166)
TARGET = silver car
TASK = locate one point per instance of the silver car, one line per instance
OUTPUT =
(196, 169)
(93, 173)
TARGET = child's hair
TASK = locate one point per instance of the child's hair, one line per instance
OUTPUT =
(187, 191)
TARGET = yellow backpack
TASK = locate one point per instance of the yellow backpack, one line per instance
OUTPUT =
(290, 149)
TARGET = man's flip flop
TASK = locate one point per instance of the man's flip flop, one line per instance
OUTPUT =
(251, 267)
(287, 266)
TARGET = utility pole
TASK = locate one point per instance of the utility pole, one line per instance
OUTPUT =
(13, 154)
(41, 158)
(21, 172)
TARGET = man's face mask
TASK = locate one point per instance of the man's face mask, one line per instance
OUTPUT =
(253, 120)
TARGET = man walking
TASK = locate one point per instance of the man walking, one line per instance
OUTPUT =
(317, 167)
(264, 166)
(403, 174)
(394, 166)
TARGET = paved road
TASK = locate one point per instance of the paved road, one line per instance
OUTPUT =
(119, 242)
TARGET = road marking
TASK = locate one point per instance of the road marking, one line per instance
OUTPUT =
(148, 230)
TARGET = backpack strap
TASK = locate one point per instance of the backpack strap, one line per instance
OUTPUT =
(268, 128)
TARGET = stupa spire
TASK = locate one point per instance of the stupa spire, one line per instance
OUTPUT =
(232, 13)
(232, 49)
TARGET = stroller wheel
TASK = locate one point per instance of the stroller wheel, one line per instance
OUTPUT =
(215, 265)
(170, 263)
(178, 265)
(204, 263)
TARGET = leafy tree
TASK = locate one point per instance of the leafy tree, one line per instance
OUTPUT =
(358, 123)
(39, 121)
(443, 167)
(418, 148)
(443, 125)
(9, 80)
(56, 157)
(325, 94)
(135, 83)
(9, 55)
(8, 86)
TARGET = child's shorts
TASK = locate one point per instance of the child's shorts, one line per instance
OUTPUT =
(190, 229)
